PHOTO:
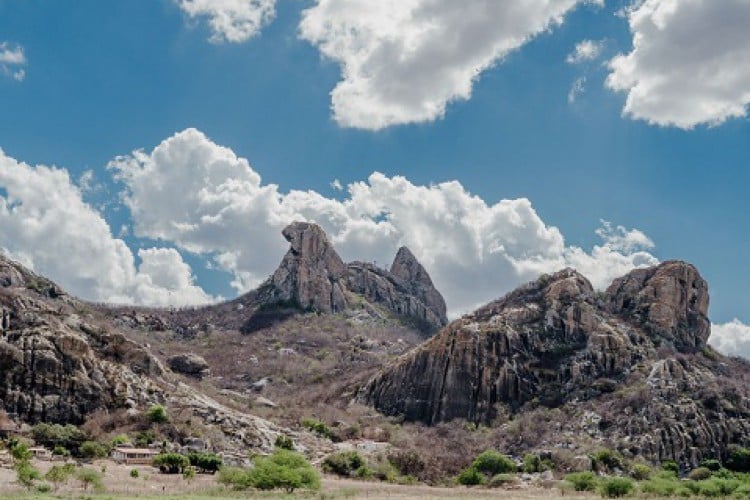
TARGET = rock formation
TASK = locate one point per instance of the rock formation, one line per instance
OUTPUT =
(557, 343)
(313, 276)
(311, 272)
(189, 364)
(62, 361)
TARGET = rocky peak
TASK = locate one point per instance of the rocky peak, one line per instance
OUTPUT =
(313, 276)
(310, 272)
(670, 301)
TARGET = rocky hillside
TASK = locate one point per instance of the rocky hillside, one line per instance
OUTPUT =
(63, 362)
(629, 366)
(311, 277)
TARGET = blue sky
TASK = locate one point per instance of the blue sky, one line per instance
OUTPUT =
(104, 78)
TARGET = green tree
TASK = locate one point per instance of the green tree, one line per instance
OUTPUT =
(134, 473)
(205, 462)
(90, 477)
(26, 474)
(283, 469)
(19, 451)
(171, 463)
(471, 477)
(59, 474)
(92, 449)
(492, 462)
(157, 414)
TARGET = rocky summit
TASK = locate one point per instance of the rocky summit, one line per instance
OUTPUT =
(313, 276)
(557, 343)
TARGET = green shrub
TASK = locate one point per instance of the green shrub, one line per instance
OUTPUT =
(118, 440)
(501, 480)
(43, 488)
(532, 463)
(157, 414)
(364, 472)
(26, 474)
(92, 449)
(471, 477)
(492, 462)
(671, 466)
(616, 487)
(68, 436)
(606, 459)
(171, 463)
(711, 464)
(20, 452)
(714, 487)
(232, 476)
(134, 473)
(699, 474)
(59, 474)
(343, 463)
(145, 438)
(285, 470)
(90, 477)
(641, 472)
(284, 442)
(60, 451)
(205, 462)
(738, 459)
(319, 428)
(662, 486)
(582, 481)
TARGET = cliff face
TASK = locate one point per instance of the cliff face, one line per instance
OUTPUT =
(61, 361)
(557, 343)
(313, 276)
(58, 367)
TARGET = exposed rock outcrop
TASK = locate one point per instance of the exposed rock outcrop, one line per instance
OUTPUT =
(313, 276)
(311, 272)
(670, 301)
(557, 343)
(189, 364)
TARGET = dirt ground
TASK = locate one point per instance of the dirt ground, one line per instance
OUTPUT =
(152, 484)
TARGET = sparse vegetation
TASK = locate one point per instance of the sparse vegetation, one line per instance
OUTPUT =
(171, 463)
(284, 442)
(283, 469)
(582, 481)
(157, 414)
(615, 487)
(343, 463)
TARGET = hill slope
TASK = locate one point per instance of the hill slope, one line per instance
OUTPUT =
(634, 359)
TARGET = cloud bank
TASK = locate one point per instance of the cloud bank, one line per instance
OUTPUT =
(688, 65)
(403, 61)
(203, 198)
(46, 225)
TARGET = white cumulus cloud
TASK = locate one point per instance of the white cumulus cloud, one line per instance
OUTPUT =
(46, 225)
(403, 61)
(585, 50)
(689, 62)
(231, 20)
(731, 338)
(203, 198)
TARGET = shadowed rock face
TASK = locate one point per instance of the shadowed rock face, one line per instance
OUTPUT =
(313, 276)
(556, 342)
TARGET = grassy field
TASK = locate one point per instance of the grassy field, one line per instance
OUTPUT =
(152, 484)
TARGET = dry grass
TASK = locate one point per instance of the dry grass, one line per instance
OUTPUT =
(151, 484)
